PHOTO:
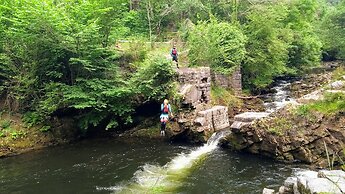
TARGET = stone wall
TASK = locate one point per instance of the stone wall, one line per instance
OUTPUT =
(195, 85)
(232, 81)
(213, 119)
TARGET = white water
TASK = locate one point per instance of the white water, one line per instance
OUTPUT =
(155, 178)
(279, 99)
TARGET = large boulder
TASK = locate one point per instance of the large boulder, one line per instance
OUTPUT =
(312, 182)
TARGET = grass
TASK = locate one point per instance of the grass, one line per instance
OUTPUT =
(281, 124)
(333, 103)
(222, 96)
(139, 49)
(338, 73)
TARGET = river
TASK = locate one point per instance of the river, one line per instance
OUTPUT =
(107, 165)
(144, 166)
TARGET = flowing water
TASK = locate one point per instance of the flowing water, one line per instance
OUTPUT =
(141, 166)
(138, 166)
(279, 99)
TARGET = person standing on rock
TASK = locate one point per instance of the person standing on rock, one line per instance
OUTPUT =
(166, 110)
(174, 55)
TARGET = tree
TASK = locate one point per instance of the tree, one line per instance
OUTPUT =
(267, 47)
(219, 45)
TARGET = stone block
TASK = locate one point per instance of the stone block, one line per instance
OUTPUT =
(250, 116)
(239, 124)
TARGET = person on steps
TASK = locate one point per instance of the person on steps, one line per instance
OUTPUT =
(174, 55)
(166, 110)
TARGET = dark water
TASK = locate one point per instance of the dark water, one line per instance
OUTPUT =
(100, 166)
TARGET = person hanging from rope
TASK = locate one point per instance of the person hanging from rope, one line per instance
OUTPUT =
(174, 55)
(166, 110)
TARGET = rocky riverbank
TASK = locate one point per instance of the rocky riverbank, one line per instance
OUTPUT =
(312, 182)
(18, 137)
(297, 132)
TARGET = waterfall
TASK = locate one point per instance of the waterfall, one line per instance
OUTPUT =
(154, 178)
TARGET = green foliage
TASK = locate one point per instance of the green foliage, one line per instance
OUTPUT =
(45, 128)
(305, 49)
(32, 118)
(4, 124)
(59, 55)
(16, 134)
(332, 31)
(219, 45)
(331, 104)
(153, 79)
(62, 55)
(338, 73)
(280, 126)
(281, 40)
(221, 96)
(268, 43)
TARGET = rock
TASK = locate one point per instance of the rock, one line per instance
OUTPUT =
(335, 176)
(250, 116)
(215, 118)
(302, 178)
(314, 96)
(328, 173)
(337, 84)
(289, 184)
(321, 185)
(268, 191)
(238, 124)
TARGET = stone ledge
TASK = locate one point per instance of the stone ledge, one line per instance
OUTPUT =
(251, 116)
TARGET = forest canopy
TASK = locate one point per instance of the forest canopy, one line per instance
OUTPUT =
(64, 56)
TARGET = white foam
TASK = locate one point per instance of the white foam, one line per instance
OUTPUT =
(155, 176)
